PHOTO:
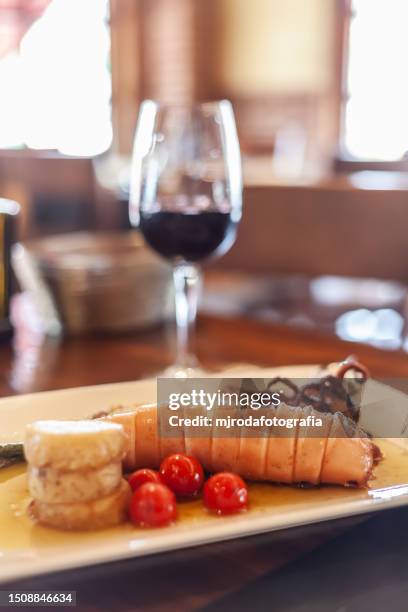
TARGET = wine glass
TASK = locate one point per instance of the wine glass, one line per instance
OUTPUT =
(186, 198)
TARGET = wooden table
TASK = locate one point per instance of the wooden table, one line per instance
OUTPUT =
(197, 577)
(36, 364)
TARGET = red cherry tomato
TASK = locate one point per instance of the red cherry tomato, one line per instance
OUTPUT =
(182, 474)
(153, 505)
(225, 493)
(141, 476)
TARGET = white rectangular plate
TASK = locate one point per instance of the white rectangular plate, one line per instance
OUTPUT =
(30, 549)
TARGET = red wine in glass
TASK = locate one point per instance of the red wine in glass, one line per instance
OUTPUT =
(188, 237)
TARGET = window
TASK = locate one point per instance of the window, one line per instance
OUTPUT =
(55, 76)
(376, 108)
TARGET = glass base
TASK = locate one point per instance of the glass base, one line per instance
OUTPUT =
(179, 371)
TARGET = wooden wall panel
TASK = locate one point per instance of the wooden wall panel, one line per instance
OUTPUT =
(187, 50)
(323, 230)
(125, 18)
(168, 50)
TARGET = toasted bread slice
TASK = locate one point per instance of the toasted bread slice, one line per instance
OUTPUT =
(101, 513)
(74, 445)
(55, 487)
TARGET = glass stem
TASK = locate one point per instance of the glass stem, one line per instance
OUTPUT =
(186, 284)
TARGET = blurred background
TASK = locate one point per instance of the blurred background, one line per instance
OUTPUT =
(320, 93)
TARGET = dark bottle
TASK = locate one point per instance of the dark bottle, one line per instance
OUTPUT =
(8, 220)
